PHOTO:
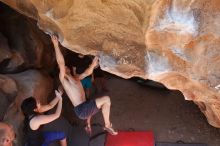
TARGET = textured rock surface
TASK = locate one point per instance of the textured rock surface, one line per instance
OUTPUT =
(183, 51)
(8, 92)
(22, 44)
(171, 41)
(5, 52)
(113, 28)
(23, 47)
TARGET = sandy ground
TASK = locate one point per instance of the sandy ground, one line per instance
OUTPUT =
(166, 113)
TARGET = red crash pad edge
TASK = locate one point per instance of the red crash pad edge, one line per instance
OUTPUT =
(134, 138)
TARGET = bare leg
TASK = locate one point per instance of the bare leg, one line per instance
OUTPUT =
(88, 121)
(104, 104)
(88, 126)
(63, 142)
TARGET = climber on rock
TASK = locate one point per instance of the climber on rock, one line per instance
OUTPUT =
(74, 90)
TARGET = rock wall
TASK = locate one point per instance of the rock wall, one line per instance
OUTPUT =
(171, 41)
(8, 92)
(183, 51)
(22, 45)
(26, 60)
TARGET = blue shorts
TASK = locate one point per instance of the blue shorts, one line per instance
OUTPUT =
(86, 109)
(50, 137)
(87, 82)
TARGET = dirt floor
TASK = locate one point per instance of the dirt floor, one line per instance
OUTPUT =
(166, 113)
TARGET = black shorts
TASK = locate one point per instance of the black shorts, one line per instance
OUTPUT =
(86, 109)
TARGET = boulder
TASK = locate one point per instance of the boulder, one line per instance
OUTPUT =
(170, 41)
(5, 52)
(183, 51)
(22, 44)
(8, 92)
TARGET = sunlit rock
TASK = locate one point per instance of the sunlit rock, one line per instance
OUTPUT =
(184, 35)
(175, 42)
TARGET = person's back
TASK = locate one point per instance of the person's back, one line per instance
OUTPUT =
(74, 89)
(34, 121)
(32, 137)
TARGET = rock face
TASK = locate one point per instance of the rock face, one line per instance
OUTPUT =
(183, 51)
(8, 92)
(4, 48)
(171, 41)
(113, 29)
(22, 45)
(26, 59)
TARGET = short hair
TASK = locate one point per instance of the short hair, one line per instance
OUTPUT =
(28, 106)
(7, 134)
